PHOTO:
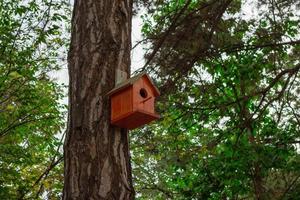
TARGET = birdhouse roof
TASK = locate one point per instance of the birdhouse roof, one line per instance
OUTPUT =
(131, 81)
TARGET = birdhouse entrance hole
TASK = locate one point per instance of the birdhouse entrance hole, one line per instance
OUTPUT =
(143, 93)
(132, 102)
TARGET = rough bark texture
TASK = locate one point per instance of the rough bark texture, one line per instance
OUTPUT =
(97, 162)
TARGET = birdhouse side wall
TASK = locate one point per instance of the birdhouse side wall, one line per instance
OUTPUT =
(140, 102)
(121, 103)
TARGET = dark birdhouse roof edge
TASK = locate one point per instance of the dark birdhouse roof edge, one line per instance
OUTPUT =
(130, 82)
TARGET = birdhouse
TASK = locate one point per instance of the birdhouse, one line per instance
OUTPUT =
(132, 102)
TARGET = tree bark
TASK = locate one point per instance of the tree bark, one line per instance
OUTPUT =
(96, 154)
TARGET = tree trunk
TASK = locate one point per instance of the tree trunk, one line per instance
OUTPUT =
(96, 154)
(246, 118)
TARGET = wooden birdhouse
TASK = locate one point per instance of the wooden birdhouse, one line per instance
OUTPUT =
(132, 102)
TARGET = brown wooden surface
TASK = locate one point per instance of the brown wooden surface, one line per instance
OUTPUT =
(135, 119)
(121, 103)
(130, 109)
(96, 154)
(139, 103)
(124, 84)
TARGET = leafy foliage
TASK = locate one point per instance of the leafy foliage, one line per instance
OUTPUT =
(31, 43)
(230, 107)
(230, 126)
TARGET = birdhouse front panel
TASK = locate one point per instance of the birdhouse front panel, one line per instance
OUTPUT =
(132, 102)
(143, 96)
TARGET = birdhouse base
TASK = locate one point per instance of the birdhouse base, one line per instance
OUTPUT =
(135, 119)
